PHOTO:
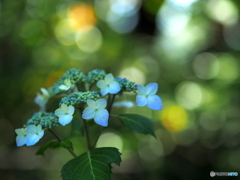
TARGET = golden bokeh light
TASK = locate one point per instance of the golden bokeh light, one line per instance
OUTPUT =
(174, 117)
(82, 17)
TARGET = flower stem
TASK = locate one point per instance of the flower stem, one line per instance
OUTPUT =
(59, 139)
(87, 134)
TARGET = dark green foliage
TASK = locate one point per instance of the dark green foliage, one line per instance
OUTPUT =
(92, 165)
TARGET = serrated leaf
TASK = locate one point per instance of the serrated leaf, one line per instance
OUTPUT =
(53, 144)
(92, 165)
(137, 123)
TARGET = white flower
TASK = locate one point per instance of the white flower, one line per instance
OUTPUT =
(66, 85)
(127, 104)
(65, 114)
(146, 96)
(96, 111)
(21, 136)
(108, 85)
(29, 135)
(42, 99)
(34, 134)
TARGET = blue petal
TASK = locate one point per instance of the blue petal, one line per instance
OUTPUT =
(101, 117)
(154, 102)
(104, 91)
(151, 88)
(65, 119)
(114, 88)
(141, 100)
(88, 113)
(32, 139)
(20, 140)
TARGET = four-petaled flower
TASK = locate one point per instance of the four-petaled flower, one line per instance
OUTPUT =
(34, 134)
(65, 114)
(108, 85)
(96, 111)
(42, 99)
(21, 136)
(146, 96)
(29, 135)
(66, 85)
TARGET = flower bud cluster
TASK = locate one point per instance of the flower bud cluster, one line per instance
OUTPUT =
(79, 97)
(74, 75)
(95, 75)
(126, 85)
(46, 119)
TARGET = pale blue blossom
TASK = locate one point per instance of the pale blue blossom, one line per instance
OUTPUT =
(66, 85)
(96, 110)
(65, 114)
(29, 135)
(34, 134)
(108, 85)
(21, 136)
(42, 99)
(147, 96)
(127, 104)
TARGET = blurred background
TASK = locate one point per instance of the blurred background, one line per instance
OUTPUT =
(189, 47)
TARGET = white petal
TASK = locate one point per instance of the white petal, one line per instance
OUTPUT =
(123, 104)
(101, 103)
(39, 128)
(101, 84)
(44, 91)
(109, 78)
(63, 87)
(32, 139)
(31, 129)
(65, 119)
(59, 112)
(64, 107)
(20, 140)
(91, 103)
(20, 132)
(154, 102)
(114, 88)
(104, 91)
(151, 88)
(71, 110)
(101, 117)
(88, 113)
(141, 100)
(141, 89)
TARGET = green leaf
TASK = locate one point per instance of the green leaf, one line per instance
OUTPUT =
(137, 123)
(53, 144)
(92, 165)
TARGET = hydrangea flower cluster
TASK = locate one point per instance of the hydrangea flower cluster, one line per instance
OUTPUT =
(91, 94)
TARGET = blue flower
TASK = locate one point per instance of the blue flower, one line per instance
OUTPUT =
(96, 110)
(108, 85)
(34, 134)
(65, 114)
(29, 135)
(66, 85)
(146, 96)
(127, 104)
(42, 99)
(21, 136)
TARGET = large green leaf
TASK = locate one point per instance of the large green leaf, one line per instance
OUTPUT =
(137, 123)
(92, 165)
(53, 144)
